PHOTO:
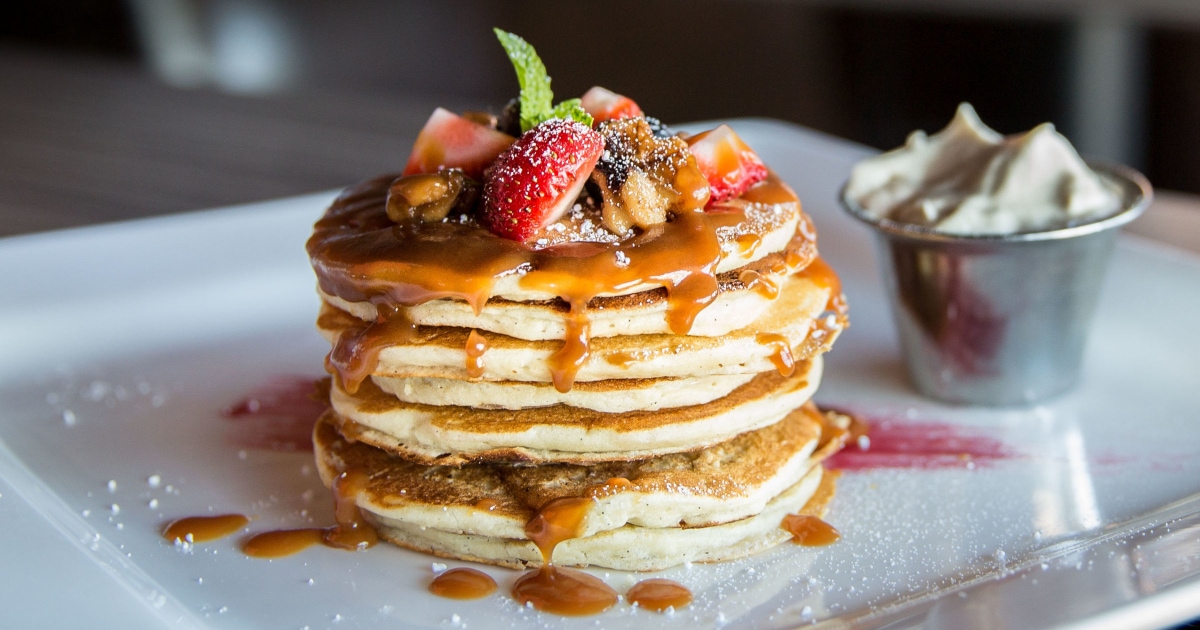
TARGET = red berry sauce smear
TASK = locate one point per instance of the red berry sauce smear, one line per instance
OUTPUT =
(277, 415)
(892, 442)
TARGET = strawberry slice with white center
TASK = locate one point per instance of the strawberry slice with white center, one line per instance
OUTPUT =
(537, 179)
(450, 141)
(605, 105)
(729, 165)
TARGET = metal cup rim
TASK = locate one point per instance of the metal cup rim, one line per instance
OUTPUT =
(1138, 193)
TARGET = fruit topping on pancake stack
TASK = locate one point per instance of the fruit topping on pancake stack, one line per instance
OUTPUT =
(569, 333)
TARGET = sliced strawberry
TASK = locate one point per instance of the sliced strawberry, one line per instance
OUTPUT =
(538, 178)
(451, 141)
(605, 105)
(729, 165)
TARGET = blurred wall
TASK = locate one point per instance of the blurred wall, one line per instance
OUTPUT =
(693, 60)
(92, 27)
(1173, 109)
(868, 74)
(905, 71)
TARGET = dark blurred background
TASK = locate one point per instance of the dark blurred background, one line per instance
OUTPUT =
(1117, 77)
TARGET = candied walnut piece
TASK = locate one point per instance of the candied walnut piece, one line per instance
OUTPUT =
(509, 120)
(643, 177)
(430, 197)
(660, 130)
(481, 118)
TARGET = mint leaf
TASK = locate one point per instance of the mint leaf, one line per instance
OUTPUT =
(536, 97)
(572, 109)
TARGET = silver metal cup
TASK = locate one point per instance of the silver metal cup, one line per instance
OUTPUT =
(999, 319)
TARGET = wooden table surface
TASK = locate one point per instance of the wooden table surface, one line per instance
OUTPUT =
(85, 141)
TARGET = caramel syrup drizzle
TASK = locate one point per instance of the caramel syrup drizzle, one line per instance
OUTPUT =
(621, 359)
(477, 344)
(559, 520)
(748, 243)
(817, 271)
(839, 429)
(359, 255)
(351, 532)
(355, 354)
(821, 274)
(759, 283)
(783, 359)
(553, 589)
(614, 485)
(487, 505)
(565, 363)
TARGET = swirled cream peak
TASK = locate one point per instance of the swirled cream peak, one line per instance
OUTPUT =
(968, 179)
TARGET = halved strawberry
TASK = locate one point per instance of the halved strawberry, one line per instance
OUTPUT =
(450, 141)
(729, 165)
(605, 105)
(538, 178)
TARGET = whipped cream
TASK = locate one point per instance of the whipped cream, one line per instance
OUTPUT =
(969, 179)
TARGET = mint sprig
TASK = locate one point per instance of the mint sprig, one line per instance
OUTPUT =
(572, 109)
(536, 97)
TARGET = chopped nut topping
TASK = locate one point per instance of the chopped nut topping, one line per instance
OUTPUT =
(430, 197)
(643, 177)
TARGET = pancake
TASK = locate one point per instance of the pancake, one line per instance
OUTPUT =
(441, 352)
(452, 435)
(613, 396)
(360, 255)
(745, 294)
(628, 548)
(643, 515)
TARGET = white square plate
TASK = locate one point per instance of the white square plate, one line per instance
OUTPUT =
(122, 345)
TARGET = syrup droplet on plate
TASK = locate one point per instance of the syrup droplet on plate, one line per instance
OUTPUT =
(564, 591)
(658, 594)
(463, 583)
(810, 531)
(282, 542)
(204, 528)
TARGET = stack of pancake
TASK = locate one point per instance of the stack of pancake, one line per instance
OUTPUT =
(667, 378)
